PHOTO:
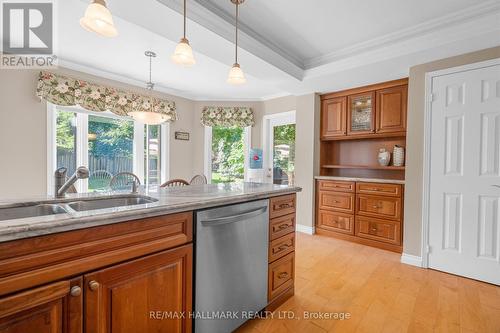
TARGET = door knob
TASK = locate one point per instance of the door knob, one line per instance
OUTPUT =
(93, 285)
(75, 291)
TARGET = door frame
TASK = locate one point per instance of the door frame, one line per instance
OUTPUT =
(429, 76)
(207, 151)
(287, 118)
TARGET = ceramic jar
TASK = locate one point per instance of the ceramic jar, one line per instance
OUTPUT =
(384, 157)
(398, 156)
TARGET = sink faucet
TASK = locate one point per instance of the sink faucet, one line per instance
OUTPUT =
(135, 184)
(61, 185)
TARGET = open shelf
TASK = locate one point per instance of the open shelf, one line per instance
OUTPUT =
(372, 167)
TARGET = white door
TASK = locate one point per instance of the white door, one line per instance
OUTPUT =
(279, 148)
(464, 205)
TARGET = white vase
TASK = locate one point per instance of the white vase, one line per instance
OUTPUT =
(384, 157)
(398, 156)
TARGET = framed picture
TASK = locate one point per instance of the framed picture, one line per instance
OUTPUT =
(182, 136)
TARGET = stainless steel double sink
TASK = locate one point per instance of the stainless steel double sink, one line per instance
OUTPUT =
(61, 207)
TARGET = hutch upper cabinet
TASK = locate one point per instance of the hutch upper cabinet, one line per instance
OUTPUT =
(371, 111)
(391, 109)
(333, 118)
(361, 113)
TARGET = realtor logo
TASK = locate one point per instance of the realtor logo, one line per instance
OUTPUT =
(27, 34)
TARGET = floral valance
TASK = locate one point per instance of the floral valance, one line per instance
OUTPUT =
(227, 116)
(66, 91)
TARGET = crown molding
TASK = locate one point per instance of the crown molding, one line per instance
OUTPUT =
(474, 12)
(221, 23)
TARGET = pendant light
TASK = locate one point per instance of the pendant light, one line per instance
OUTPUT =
(183, 54)
(149, 117)
(236, 75)
(98, 19)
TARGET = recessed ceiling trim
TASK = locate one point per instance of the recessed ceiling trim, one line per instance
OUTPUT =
(218, 21)
(458, 17)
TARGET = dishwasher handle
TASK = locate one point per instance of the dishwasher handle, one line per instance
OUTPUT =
(234, 218)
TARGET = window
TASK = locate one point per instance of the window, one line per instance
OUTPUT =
(226, 151)
(279, 148)
(106, 144)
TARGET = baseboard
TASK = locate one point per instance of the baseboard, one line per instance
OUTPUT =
(304, 229)
(411, 260)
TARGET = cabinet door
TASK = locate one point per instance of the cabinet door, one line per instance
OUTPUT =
(55, 308)
(333, 117)
(150, 294)
(391, 109)
(361, 114)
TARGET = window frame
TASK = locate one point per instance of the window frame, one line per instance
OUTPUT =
(82, 145)
(207, 158)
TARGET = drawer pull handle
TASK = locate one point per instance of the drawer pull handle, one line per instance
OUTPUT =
(75, 291)
(93, 285)
(336, 201)
(374, 229)
(283, 247)
(285, 205)
(282, 275)
(283, 226)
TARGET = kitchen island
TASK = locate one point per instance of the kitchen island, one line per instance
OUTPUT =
(125, 268)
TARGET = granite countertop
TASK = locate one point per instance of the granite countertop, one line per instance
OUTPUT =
(357, 179)
(170, 200)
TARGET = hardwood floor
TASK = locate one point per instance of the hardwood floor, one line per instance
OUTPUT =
(379, 293)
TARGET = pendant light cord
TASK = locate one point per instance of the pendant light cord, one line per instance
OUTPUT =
(184, 19)
(236, 51)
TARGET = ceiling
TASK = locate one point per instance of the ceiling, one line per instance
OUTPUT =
(287, 47)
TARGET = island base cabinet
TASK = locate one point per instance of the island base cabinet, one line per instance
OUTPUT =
(54, 308)
(150, 294)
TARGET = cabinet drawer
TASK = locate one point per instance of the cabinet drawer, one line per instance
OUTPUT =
(283, 205)
(341, 202)
(378, 206)
(281, 226)
(380, 230)
(338, 186)
(339, 222)
(281, 246)
(281, 275)
(392, 190)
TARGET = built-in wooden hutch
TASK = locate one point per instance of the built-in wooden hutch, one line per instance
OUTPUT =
(357, 199)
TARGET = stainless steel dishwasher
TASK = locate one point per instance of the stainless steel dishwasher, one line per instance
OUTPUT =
(231, 265)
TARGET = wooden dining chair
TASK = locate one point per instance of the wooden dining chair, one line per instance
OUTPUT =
(198, 180)
(122, 180)
(175, 182)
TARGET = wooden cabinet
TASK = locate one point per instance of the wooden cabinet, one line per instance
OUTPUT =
(124, 271)
(379, 230)
(281, 250)
(368, 112)
(361, 113)
(282, 205)
(333, 119)
(54, 308)
(335, 221)
(340, 202)
(160, 282)
(391, 109)
(281, 275)
(374, 218)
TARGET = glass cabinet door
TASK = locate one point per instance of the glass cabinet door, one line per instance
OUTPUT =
(361, 114)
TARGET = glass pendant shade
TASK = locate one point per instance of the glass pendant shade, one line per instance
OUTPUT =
(149, 118)
(98, 19)
(183, 54)
(236, 75)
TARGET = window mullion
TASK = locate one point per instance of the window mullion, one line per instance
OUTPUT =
(82, 148)
(138, 158)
